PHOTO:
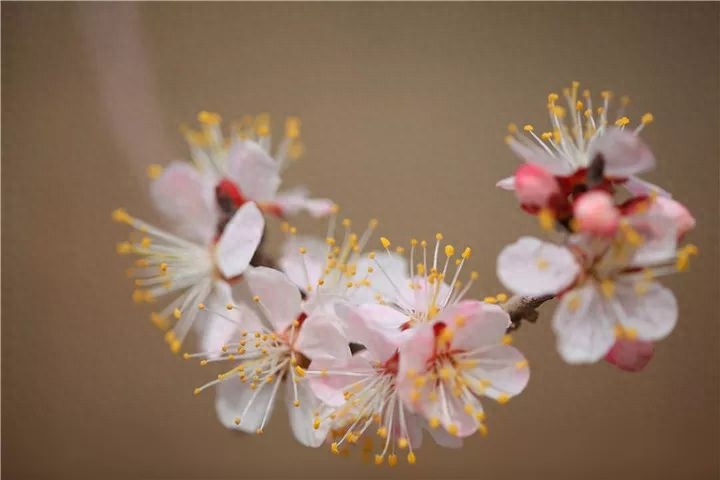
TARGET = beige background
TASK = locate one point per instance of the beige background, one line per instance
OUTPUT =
(404, 110)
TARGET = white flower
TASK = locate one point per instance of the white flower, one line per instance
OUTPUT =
(447, 365)
(226, 173)
(607, 285)
(579, 135)
(265, 357)
(194, 272)
(337, 269)
(361, 393)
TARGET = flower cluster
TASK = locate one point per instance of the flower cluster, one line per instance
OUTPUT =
(614, 233)
(378, 347)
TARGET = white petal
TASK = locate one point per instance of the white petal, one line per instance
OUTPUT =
(304, 269)
(364, 325)
(321, 337)
(444, 439)
(532, 267)
(538, 156)
(221, 325)
(584, 326)
(232, 399)
(253, 170)
(240, 240)
(331, 388)
(389, 271)
(638, 186)
(301, 417)
(651, 309)
(280, 299)
(480, 324)
(506, 369)
(625, 153)
(296, 200)
(507, 183)
(187, 199)
(659, 233)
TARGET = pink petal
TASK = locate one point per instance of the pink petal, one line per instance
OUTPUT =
(595, 213)
(186, 198)
(537, 156)
(330, 388)
(292, 202)
(676, 211)
(364, 325)
(301, 417)
(476, 324)
(254, 171)
(650, 310)
(534, 185)
(320, 336)
(630, 355)
(304, 269)
(231, 401)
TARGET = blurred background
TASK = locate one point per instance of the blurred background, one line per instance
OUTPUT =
(404, 109)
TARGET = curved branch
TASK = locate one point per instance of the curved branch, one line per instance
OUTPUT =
(523, 308)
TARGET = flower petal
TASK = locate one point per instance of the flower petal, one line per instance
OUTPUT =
(320, 336)
(532, 267)
(330, 388)
(584, 325)
(648, 308)
(507, 183)
(638, 186)
(504, 367)
(630, 355)
(301, 417)
(536, 155)
(294, 201)
(624, 153)
(240, 240)
(221, 325)
(187, 199)
(254, 171)
(478, 324)
(304, 269)
(232, 400)
(279, 298)
(444, 439)
(365, 325)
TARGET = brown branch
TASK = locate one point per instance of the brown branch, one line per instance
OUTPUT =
(523, 308)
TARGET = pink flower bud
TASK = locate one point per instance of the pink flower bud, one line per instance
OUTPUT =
(595, 212)
(684, 221)
(630, 355)
(534, 185)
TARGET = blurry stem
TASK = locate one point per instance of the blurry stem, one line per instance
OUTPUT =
(523, 308)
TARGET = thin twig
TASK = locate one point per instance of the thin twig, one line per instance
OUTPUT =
(523, 308)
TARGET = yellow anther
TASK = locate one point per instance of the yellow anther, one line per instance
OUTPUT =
(490, 300)
(460, 321)
(622, 121)
(392, 460)
(400, 250)
(159, 321)
(449, 250)
(647, 118)
(237, 421)
(382, 432)
(466, 253)
(608, 288)
(469, 409)
(474, 275)
(177, 313)
(503, 398)
(438, 236)
(553, 97)
(434, 422)
(586, 93)
(163, 267)
(414, 395)
(402, 443)
(197, 391)
(203, 363)
(501, 297)
(256, 299)
(209, 118)
(346, 222)
(542, 264)
(121, 216)
(579, 106)
(482, 428)
(411, 458)
(507, 339)
(123, 248)
(625, 100)
(547, 136)
(299, 371)
(546, 219)
(528, 128)
(452, 429)
(154, 171)
(259, 431)
(292, 128)
(385, 242)
(303, 250)
(293, 230)
(512, 128)
(379, 459)
(606, 94)
(480, 416)
(201, 306)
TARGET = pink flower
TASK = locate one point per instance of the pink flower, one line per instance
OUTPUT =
(194, 272)
(447, 365)
(196, 197)
(684, 221)
(630, 355)
(267, 356)
(596, 213)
